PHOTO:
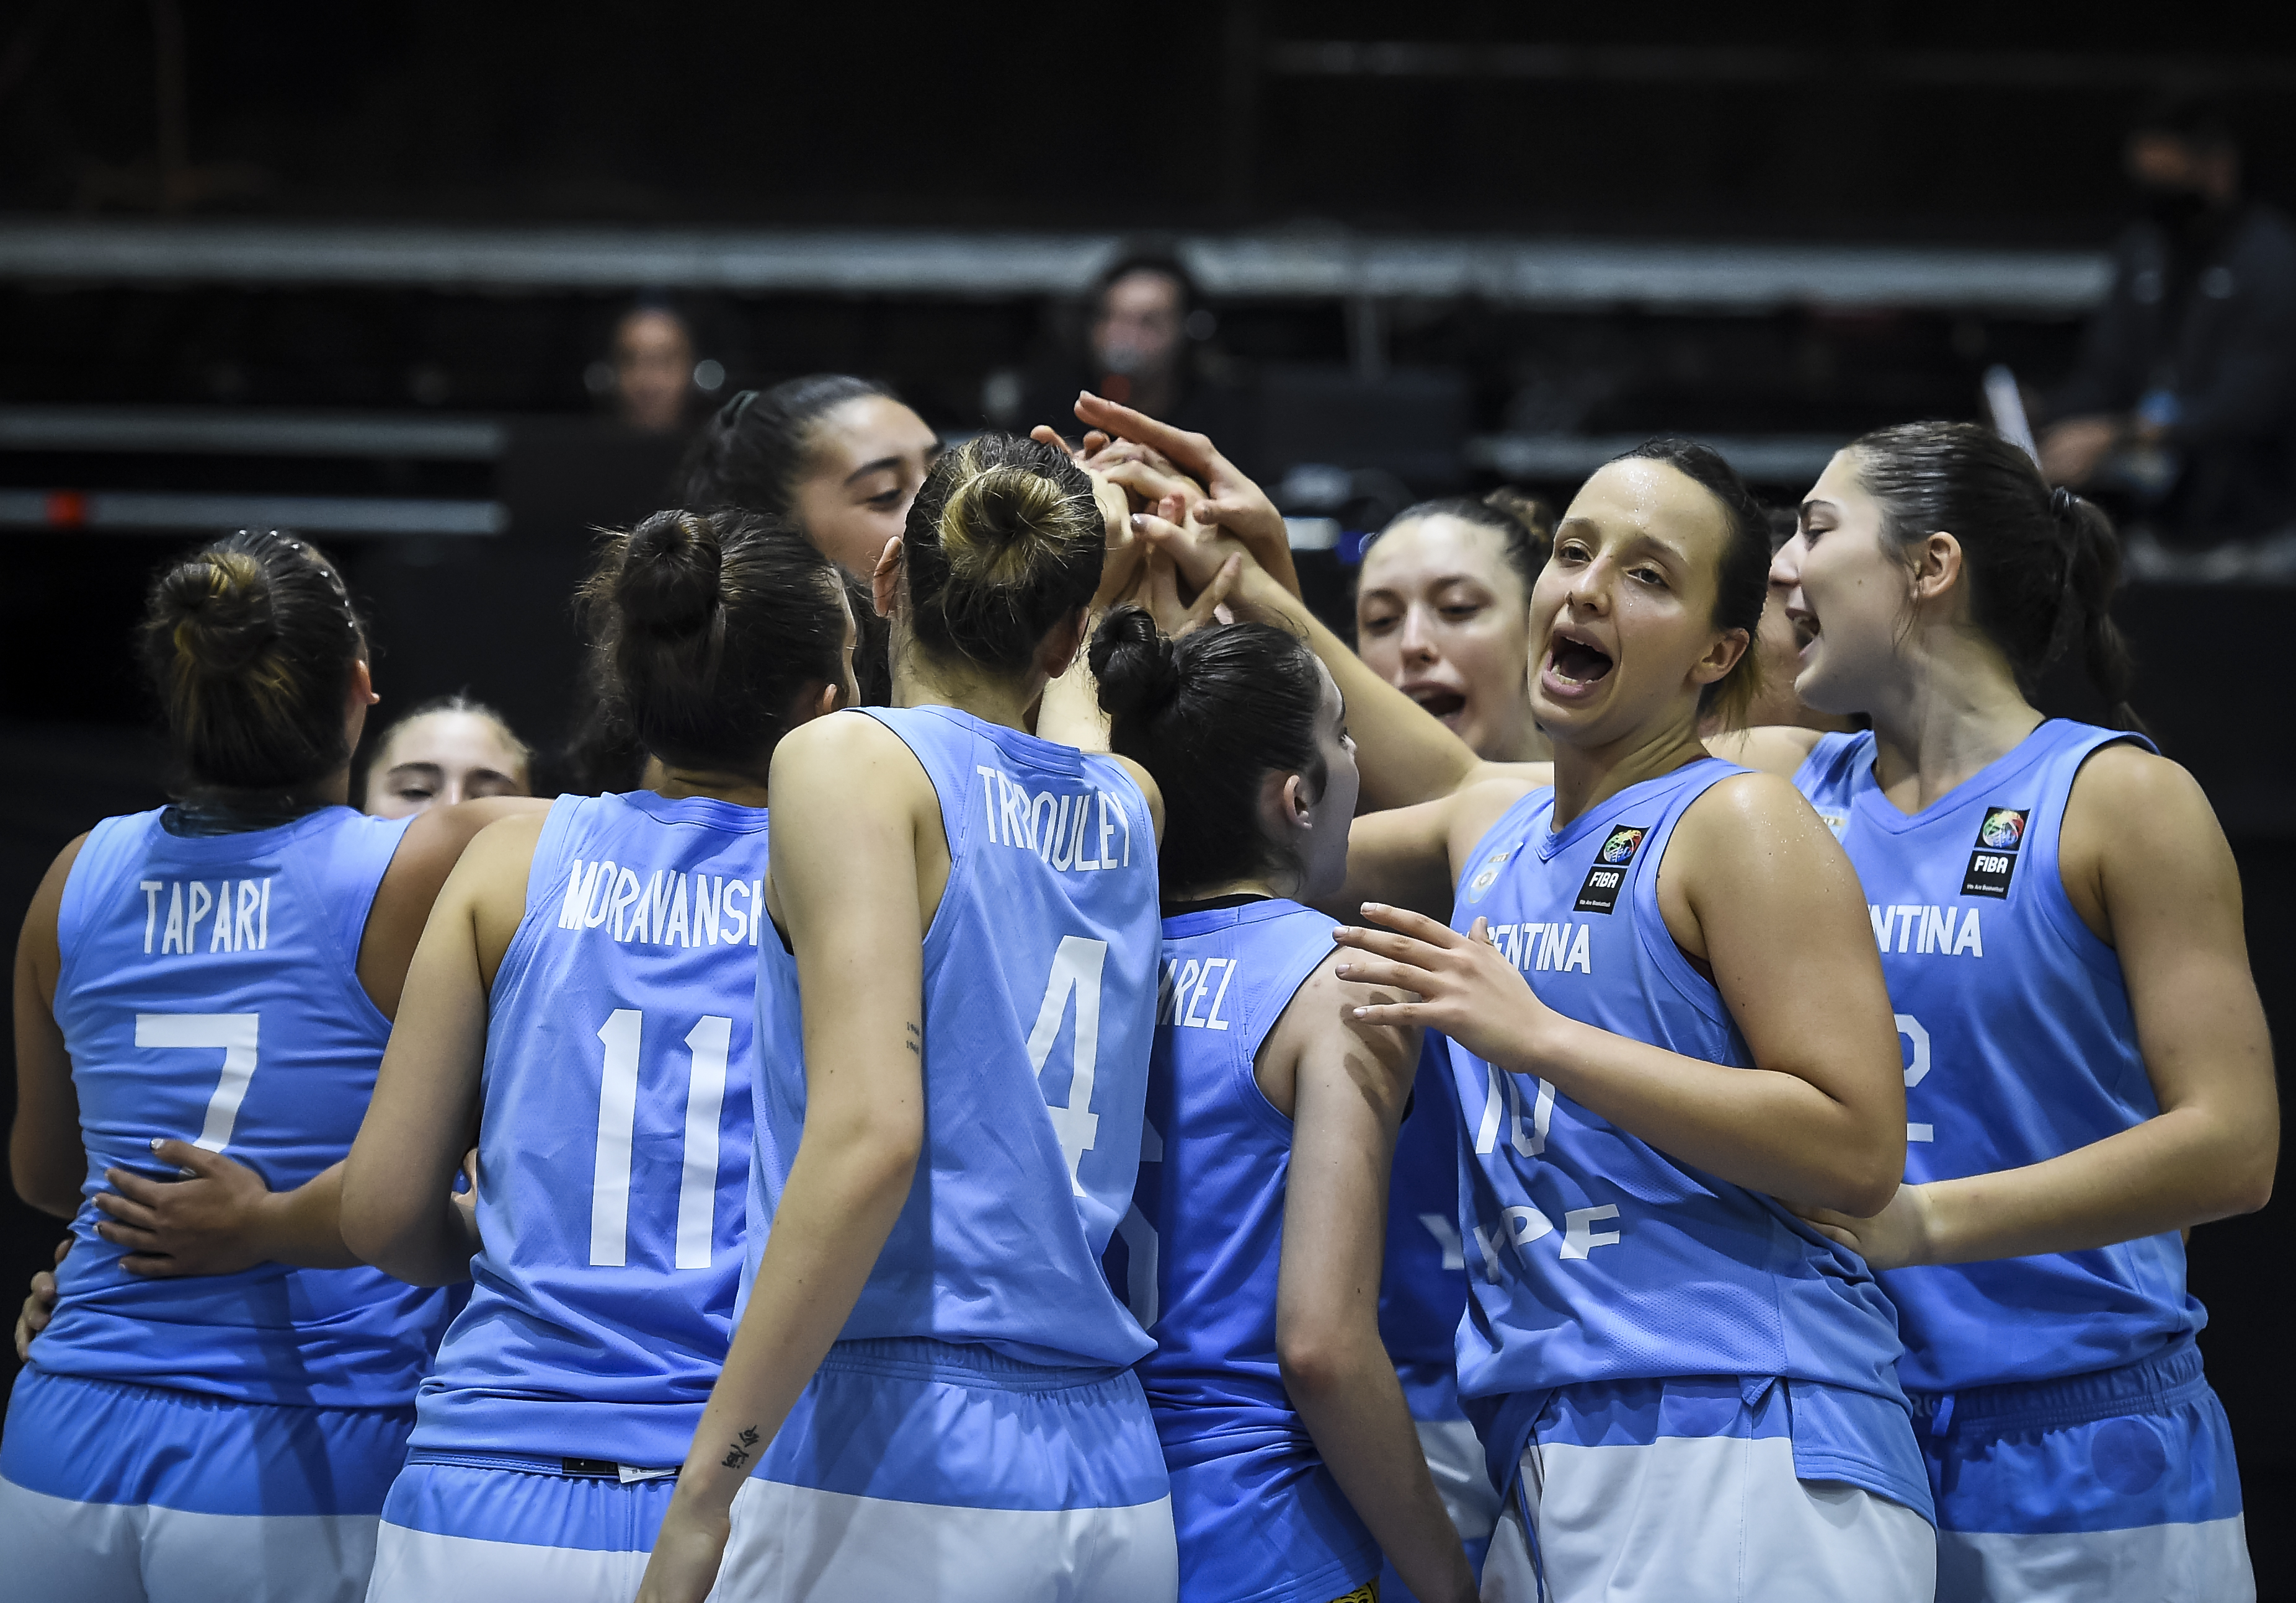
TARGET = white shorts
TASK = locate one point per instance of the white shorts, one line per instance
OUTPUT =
(1702, 1519)
(1455, 1458)
(492, 1528)
(62, 1551)
(931, 1473)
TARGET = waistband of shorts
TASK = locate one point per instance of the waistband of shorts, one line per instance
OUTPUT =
(927, 1358)
(525, 1463)
(2169, 1377)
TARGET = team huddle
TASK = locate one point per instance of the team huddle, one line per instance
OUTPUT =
(1657, 1074)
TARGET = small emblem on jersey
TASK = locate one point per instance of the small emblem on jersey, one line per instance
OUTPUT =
(1599, 893)
(1837, 821)
(1487, 875)
(1995, 859)
(2003, 829)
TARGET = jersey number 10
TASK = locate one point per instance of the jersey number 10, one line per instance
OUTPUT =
(706, 1045)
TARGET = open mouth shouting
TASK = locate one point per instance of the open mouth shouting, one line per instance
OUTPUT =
(1447, 705)
(1805, 628)
(1575, 663)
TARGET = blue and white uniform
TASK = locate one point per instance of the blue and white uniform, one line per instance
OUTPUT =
(1423, 1296)
(1260, 1518)
(227, 1436)
(1693, 1394)
(980, 1406)
(613, 1172)
(2075, 1447)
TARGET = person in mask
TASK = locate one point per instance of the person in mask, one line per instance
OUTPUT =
(2185, 398)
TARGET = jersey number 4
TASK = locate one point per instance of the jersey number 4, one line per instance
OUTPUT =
(1076, 969)
(706, 1045)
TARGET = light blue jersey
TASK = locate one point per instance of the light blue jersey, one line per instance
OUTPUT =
(1040, 1007)
(2071, 1436)
(2018, 1047)
(1594, 1259)
(209, 993)
(613, 1145)
(1259, 1516)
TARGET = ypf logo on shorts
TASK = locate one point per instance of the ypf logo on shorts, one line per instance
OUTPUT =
(1599, 892)
(1990, 865)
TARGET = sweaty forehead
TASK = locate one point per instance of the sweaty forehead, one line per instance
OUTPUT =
(864, 430)
(1639, 496)
(1428, 549)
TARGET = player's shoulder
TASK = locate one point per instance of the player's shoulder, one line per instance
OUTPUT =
(2128, 791)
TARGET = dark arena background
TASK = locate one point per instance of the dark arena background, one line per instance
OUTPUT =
(359, 270)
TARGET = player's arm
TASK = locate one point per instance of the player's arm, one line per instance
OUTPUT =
(398, 1208)
(2144, 857)
(1349, 1083)
(45, 1158)
(1764, 896)
(850, 877)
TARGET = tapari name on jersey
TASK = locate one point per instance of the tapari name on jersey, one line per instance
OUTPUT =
(1075, 832)
(665, 908)
(236, 914)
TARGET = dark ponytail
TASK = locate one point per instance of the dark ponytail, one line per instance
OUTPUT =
(1209, 715)
(249, 645)
(2042, 564)
(706, 627)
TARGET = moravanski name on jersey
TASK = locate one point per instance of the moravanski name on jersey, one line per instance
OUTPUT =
(668, 908)
(237, 913)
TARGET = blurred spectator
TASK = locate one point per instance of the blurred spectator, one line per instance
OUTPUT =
(1144, 348)
(2186, 396)
(653, 368)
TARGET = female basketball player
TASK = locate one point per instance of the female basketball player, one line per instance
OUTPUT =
(931, 1368)
(2085, 1057)
(843, 457)
(1254, 1251)
(584, 998)
(1703, 1037)
(1443, 614)
(208, 982)
(446, 751)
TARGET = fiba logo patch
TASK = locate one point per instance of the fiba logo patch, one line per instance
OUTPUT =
(1487, 875)
(1994, 860)
(2003, 829)
(1599, 893)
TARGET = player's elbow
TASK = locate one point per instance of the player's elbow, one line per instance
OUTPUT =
(1319, 1355)
(1859, 1177)
(2246, 1183)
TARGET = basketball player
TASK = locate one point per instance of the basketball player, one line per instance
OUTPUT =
(583, 997)
(1253, 1255)
(2087, 1063)
(448, 750)
(208, 982)
(1685, 1391)
(843, 456)
(930, 1392)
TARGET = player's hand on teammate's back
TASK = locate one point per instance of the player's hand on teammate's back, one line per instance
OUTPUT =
(210, 1222)
(1896, 1237)
(39, 1304)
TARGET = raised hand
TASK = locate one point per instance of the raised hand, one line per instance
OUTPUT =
(1236, 503)
(39, 1304)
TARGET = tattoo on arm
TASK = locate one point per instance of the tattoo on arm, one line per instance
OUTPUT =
(738, 1452)
(915, 1043)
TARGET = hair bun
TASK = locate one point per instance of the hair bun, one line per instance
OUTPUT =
(668, 581)
(1528, 512)
(993, 519)
(216, 607)
(1138, 669)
